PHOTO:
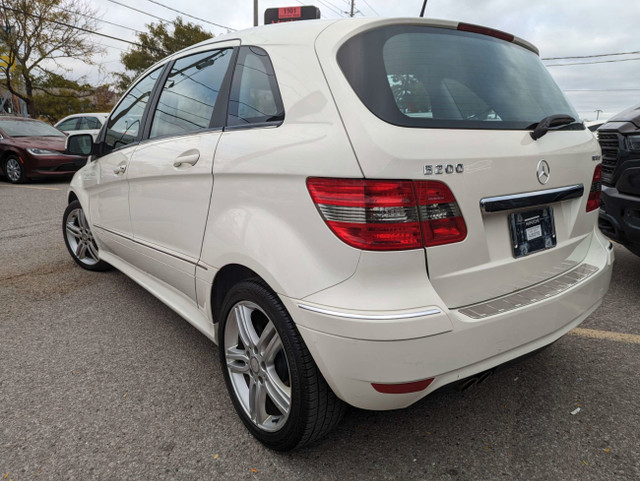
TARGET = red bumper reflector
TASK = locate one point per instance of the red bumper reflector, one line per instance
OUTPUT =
(403, 388)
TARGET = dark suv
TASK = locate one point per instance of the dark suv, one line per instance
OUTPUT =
(620, 198)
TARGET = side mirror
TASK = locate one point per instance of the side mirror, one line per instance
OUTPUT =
(79, 144)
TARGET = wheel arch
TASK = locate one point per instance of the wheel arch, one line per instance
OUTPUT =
(5, 155)
(225, 279)
(71, 197)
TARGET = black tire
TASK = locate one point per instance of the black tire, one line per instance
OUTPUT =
(14, 170)
(79, 239)
(314, 409)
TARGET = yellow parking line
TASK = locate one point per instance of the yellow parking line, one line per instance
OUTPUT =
(31, 187)
(608, 335)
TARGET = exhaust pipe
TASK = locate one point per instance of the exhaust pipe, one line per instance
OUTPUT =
(472, 381)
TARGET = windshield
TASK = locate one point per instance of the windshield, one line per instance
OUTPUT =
(417, 76)
(28, 128)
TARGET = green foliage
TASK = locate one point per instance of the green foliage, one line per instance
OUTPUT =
(160, 41)
(58, 97)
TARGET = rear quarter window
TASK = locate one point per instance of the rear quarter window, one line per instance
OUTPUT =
(255, 96)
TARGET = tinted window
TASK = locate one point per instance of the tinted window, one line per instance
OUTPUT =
(255, 97)
(28, 128)
(434, 77)
(123, 125)
(89, 123)
(69, 124)
(190, 92)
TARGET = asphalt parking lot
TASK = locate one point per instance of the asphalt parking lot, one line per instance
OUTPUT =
(99, 380)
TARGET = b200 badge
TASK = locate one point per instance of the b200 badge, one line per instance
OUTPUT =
(443, 169)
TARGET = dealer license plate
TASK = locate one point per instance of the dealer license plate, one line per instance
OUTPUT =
(532, 231)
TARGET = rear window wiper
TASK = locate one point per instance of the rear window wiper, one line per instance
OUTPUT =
(547, 123)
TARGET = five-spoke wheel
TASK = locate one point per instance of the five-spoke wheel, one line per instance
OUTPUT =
(274, 383)
(79, 238)
(257, 366)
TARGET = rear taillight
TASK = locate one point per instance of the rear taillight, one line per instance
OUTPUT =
(385, 215)
(442, 222)
(593, 202)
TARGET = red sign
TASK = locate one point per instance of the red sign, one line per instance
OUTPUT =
(290, 12)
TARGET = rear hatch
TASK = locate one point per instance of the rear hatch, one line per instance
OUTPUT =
(441, 101)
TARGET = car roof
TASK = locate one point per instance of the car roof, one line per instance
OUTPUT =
(307, 31)
(86, 114)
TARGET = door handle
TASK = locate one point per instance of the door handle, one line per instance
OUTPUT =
(190, 157)
(120, 169)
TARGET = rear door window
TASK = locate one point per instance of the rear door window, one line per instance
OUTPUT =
(255, 97)
(418, 76)
(190, 92)
(89, 123)
(69, 124)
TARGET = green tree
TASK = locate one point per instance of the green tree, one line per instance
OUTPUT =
(159, 41)
(40, 33)
(57, 97)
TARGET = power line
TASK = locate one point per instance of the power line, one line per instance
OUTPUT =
(140, 11)
(592, 63)
(331, 7)
(370, 7)
(592, 56)
(86, 30)
(101, 20)
(191, 16)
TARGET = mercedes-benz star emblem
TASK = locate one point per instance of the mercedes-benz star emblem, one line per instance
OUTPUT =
(544, 172)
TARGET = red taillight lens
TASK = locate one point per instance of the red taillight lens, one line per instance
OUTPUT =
(593, 202)
(388, 215)
(442, 222)
(369, 214)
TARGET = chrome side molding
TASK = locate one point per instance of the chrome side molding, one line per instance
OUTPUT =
(375, 317)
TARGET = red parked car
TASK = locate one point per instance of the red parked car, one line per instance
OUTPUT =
(32, 149)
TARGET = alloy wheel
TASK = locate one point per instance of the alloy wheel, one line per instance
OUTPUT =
(257, 366)
(80, 239)
(13, 169)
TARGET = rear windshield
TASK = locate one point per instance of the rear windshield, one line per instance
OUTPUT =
(417, 76)
(28, 128)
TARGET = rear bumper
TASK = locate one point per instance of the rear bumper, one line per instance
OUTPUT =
(353, 352)
(620, 216)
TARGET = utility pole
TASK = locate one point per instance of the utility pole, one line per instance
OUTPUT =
(352, 8)
(424, 5)
(255, 13)
(597, 111)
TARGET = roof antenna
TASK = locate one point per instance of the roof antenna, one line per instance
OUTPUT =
(424, 5)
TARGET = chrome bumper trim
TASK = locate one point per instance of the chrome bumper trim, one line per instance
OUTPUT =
(373, 317)
(531, 294)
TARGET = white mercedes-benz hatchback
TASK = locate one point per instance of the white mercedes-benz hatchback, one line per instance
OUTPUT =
(356, 211)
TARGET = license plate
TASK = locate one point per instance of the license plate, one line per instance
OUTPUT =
(532, 231)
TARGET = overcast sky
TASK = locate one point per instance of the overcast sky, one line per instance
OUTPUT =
(558, 28)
